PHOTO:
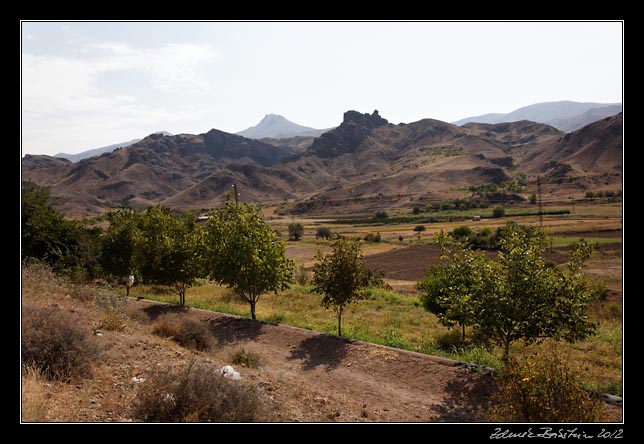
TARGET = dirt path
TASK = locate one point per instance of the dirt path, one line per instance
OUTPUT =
(317, 377)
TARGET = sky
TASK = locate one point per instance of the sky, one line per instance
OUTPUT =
(86, 85)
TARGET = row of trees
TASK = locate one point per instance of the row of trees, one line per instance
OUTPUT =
(518, 296)
(235, 248)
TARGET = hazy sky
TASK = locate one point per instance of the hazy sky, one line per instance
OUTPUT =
(91, 84)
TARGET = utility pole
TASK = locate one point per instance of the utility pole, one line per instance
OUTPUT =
(540, 202)
(236, 195)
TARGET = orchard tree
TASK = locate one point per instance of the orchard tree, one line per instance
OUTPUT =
(169, 250)
(452, 289)
(295, 231)
(340, 276)
(119, 241)
(527, 298)
(520, 296)
(245, 254)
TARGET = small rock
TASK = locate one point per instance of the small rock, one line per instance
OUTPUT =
(137, 379)
(230, 373)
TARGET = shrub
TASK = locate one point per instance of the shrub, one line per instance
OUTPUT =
(450, 341)
(498, 212)
(198, 393)
(381, 215)
(419, 228)
(323, 233)
(295, 231)
(416, 210)
(184, 331)
(462, 232)
(371, 237)
(245, 358)
(113, 310)
(56, 343)
(542, 388)
(302, 276)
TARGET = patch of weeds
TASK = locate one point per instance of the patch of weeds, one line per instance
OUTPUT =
(245, 358)
(185, 331)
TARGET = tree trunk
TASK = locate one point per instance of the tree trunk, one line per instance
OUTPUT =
(506, 349)
(463, 336)
(252, 310)
(340, 322)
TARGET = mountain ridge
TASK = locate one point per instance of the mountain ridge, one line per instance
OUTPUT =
(565, 115)
(364, 164)
(104, 149)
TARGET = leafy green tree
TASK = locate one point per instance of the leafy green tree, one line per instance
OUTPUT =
(526, 298)
(340, 276)
(245, 254)
(451, 290)
(295, 231)
(47, 235)
(518, 296)
(119, 242)
(169, 250)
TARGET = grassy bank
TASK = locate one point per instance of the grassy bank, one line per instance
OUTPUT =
(398, 320)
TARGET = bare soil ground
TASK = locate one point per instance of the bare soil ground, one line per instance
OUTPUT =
(308, 377)
(411, 263)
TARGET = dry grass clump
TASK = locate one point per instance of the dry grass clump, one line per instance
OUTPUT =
(34, 397)
(186, 332)
(197, 393)
(246, 358)
(57, 343)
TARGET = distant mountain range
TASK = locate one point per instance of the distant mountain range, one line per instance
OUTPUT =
(104, 149)
(363, 165)
(565, 115)
(278, 127)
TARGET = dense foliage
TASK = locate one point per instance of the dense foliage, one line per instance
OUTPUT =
(518, 296)
(245, 254)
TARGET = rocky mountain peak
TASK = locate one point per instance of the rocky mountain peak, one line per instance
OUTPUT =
(367, 120)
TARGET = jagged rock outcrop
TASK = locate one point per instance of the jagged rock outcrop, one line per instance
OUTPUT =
(354, 129)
